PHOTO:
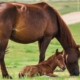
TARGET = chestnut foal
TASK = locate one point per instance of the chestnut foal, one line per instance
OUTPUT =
(46, 67)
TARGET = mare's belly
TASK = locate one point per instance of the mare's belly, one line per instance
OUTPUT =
(26, 35)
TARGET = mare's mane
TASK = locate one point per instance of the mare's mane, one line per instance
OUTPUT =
(64, 35)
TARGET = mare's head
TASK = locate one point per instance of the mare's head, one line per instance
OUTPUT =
(71, 59)
(59, 57)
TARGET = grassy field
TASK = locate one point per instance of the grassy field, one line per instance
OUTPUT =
(66, 7)
(20, 55)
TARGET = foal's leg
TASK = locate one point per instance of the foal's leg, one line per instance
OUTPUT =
(51, 75)
(43, 44)
(3, 45)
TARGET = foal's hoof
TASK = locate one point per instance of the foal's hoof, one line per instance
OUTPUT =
(20, 75)
(7, 76)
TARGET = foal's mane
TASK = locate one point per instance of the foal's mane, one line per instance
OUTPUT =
(49, 60)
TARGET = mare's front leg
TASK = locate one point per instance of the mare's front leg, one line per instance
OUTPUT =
(4, 71)
(3, 45)
(43, 44)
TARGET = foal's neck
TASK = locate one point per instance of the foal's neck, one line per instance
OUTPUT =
(52, 62)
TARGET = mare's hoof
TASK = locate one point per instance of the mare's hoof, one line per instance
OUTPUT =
(7, 76)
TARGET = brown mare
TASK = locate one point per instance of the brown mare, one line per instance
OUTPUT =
(27, 23)
(45, 67)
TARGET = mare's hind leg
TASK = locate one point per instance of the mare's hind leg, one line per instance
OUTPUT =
(3, 45)
(43, 44)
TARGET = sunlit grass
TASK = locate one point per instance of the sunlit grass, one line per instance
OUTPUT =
(66, 7)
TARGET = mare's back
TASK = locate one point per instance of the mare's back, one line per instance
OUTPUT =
(52, 13)
(7, 12)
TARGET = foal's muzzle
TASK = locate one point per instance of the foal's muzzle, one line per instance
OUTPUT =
(63, 68)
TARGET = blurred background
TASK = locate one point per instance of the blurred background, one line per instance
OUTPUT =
(63, 6)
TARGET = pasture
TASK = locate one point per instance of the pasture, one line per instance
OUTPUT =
(63, 6)
(19, 55)
(66, 7)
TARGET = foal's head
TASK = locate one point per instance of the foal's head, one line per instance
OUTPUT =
(59, 57)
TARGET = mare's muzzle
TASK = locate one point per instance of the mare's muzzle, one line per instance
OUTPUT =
(74, 73)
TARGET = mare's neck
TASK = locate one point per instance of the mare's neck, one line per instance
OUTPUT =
(67, 45)
(64, 35)
(66, 41)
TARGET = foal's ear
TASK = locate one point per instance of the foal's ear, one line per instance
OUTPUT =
(78, 47)
(57, 52)
(63, 53)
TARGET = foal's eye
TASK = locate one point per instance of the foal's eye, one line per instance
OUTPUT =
(58, 58)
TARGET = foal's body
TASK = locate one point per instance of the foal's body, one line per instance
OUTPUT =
(46, 67)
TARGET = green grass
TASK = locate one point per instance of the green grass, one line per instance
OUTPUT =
(75, 29)
(20, 55)
(66, 7)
